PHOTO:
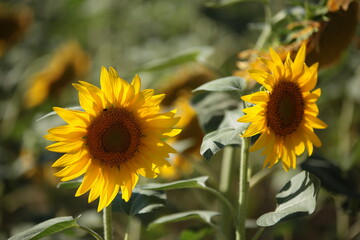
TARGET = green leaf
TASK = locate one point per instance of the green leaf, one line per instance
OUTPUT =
(69, 184)
(222, 3)
(231, 119)
(191, 55)
(192, 235)
(211, 106)
(198, 182)
(297, 198)
(331, 176)
(47, 228)
(141, 201)
(225, 84)
(204, 216)
(215, 141)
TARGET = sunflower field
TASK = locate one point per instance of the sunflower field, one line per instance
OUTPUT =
(180, 120)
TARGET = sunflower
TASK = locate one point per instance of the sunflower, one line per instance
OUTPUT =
(178, 92)
(118, 137)
(286, 113)
(326, 40)
(14, 22)
(68, 64)
(192, 133)
(248, 60)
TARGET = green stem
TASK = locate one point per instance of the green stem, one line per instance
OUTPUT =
(224, 201)
(127, 233)
(91, 232)
(243, 188)
(225, 174)
(258, 233)
(264, 35)
(342, 221)
(225, 177)
(107, 219)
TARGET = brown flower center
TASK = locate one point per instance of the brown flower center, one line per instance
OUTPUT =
(114, 136)
(285, 109)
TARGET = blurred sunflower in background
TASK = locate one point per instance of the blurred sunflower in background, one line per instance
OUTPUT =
(118, 137)
(189, 140)
(334, 35)
(327, 36)
(286, 113)
(14, 21)
(69, 63)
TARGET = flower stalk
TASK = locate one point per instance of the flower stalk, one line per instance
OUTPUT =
(107, 220)
(225, 177)
(243, 188)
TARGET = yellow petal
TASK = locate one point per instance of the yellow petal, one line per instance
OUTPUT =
(308, 81)
(81, 168)
(65, 147)
(254, 128)
(162, 123)
(171, 132)
(106, 85)
(260, 142)
(88, 180)
(261, 77)
(251, 118)
(258, 97)
(299, 61)
(315, 122)
(69, 158)
(86, 100)
(68, 132)
(136, 83)
(279, 66)
(73, 117)
(312, 137)
(97, 187)
(96, 94)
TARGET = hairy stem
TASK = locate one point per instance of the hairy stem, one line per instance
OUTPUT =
(107, 219)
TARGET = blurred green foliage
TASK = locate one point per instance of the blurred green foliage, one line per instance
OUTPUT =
(157, 39)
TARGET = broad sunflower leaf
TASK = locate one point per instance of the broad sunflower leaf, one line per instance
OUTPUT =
(204, 216)
(230, 119)
(198, 54)
(297, 198)
(141, 201)
(213, 142)
(211, 106)
(69, 184)
(225, 84)
(198, 182)
(331, 176)
(47, 228)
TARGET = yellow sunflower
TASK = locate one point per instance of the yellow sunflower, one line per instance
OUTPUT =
(69, 63)
(118, 137)
(286, 113)
(14, 22)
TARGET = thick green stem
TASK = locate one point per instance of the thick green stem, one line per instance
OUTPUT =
(107, 219)
(225, 177)
(225, 174)
(127, 233)
(243, 188)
